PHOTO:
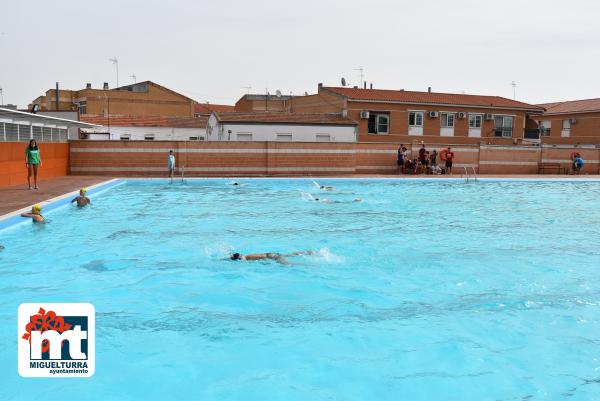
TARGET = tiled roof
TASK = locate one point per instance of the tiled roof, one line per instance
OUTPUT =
(284, 118)
(403, 96)
(573, 106)
(207, 108)
(146, 121)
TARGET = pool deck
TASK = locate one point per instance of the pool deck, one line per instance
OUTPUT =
(17, 197)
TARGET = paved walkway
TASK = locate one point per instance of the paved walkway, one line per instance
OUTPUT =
(18, 196)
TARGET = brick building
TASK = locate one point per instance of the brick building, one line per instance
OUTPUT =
(264, 103)
(576, 121)
(206, 109)
(407, 116)
(140, 99)
(142, 128)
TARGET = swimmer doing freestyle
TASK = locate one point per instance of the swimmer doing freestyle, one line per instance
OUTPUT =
(277, 257)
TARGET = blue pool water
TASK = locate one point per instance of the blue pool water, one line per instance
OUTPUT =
(425, 290)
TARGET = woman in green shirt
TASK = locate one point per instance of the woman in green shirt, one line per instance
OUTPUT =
(32, 161)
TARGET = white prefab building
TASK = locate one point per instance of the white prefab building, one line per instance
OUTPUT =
(21, 126)
(140, 128)
(288, 127)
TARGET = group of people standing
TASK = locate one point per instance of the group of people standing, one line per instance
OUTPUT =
(425, 162)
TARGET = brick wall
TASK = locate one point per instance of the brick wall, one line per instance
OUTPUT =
(145, 158)
(55, 162)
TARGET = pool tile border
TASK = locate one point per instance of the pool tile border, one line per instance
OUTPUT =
(14, 218)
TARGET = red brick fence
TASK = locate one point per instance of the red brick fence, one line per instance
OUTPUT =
(145, 158)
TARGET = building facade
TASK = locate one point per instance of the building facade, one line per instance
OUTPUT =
(145, 128)
(406, 116)
(264, 103)
(576, 121)
(140, 99)
(284, 127)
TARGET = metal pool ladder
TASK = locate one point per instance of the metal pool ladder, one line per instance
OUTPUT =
(466, 174)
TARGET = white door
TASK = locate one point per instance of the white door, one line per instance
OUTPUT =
(475, 121)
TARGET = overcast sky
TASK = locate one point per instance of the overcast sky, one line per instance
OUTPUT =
(210, 50)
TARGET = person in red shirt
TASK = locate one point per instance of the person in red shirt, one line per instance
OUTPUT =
(449, 158)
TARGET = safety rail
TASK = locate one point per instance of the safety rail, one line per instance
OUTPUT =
(474, 173)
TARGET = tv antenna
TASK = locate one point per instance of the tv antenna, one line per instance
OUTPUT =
(362, 75)
(115, 61)
(248, 88)
(343, 81)
(132, 76)
(1, 97)
(514, 86)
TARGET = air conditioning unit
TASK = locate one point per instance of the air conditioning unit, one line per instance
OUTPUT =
(364, 114)
(488, 116)
(433, 114)
(462, 115)
(572, 121)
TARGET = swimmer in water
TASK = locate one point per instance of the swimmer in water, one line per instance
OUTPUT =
(35, 214)
(277, 257)
(326, 188)
(236, 183)
(329, 201)
(82, 200)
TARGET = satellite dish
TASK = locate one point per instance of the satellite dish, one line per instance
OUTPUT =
(278, 93)
(343, 81)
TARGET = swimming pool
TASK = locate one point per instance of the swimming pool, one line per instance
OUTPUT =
(425, 290)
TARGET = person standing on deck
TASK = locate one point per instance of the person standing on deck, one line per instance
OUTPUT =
(171, 164)
(400, 160)
(32, 161)
(449, 158)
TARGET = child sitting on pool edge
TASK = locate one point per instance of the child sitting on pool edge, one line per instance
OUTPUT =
(35, 214)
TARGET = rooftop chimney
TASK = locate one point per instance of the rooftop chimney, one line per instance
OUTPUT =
(365, 85)
(105, 86)
(429, 89)
(320, 85)
(371, 85)
(88, 86)
(56, 99)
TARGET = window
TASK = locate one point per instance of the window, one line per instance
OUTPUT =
(284, 137)
(474, 120)
(566, 128)
(323, 138)
(447, 120)
(503, 126)
(149, 137)
(125, 137)
(415, 119)
(82, 107)
(379, 123)
(545, 126)
(244, 136)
